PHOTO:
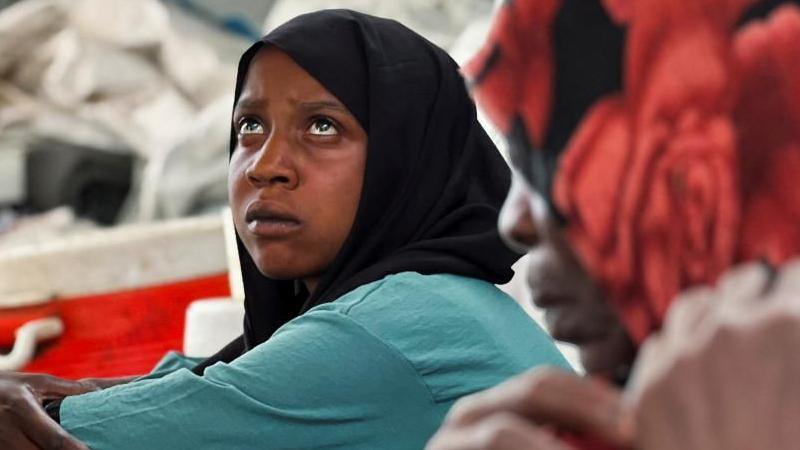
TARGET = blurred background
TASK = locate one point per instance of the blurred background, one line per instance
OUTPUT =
(114, 122)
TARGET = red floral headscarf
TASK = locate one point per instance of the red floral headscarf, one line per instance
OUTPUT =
(689, 168)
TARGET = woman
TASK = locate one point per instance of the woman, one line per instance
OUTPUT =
(365, 197)
(674, 161)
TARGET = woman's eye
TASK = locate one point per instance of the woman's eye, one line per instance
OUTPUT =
(323, 127)
(250, 126)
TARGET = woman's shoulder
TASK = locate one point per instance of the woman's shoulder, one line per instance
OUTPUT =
(461, 334)
(410, 296)
(417, 288)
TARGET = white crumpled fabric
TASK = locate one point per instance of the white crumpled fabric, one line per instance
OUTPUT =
(117, 75)
(134, 76)
(440, 21)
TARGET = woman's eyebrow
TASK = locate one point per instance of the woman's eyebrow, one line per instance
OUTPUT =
(322, 104)
(247, 103)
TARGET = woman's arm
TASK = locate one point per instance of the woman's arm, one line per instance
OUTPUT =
(321, 382)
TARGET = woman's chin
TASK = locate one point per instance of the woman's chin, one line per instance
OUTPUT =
(279, 273)
(283, 269)
(610, 358)
(276, 267)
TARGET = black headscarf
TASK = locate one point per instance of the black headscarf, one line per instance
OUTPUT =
(434, 182)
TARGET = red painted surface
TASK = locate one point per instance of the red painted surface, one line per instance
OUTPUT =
(11, 319)
(119, 333)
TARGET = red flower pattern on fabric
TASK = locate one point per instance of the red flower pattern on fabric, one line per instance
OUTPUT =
(687, 171)
(515, 70)
(690, 170)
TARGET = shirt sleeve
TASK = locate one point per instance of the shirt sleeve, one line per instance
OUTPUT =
(171, 362)
(322, 381)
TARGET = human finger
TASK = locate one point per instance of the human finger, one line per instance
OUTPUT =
(557, 397)
(27, 414)
(47, 387)
(105, 383)
(501, 431)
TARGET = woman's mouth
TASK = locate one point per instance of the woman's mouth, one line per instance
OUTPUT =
(578, 329)
(267, 221)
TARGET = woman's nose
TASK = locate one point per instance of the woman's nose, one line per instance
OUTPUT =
(273, 164)
(517, 223)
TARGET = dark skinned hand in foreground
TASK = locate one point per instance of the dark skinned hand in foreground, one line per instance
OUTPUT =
(24, 425)
(523, 412)
(721, 375)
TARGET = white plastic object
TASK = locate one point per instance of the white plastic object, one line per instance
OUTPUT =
(210, 325)
(232, 254)
(27, 337)
(12, 172)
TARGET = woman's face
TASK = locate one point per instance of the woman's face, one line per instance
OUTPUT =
(575, 310)
(296, 173)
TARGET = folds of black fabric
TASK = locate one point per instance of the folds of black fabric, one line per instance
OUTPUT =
(434, 182)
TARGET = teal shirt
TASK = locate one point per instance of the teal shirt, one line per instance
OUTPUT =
(376, 369)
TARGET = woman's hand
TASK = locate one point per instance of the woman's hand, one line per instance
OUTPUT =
(501, 431)
(723, 373)
(521, 413)
(23, 423)
(96, 384)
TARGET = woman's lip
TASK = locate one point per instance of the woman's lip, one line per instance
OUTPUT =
(575, 338)
(272, 227)
(269, 220)
(564, 328)
(545, 299)
(268, 210)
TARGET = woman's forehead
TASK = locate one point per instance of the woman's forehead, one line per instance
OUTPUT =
(274, 74)
(273, 65)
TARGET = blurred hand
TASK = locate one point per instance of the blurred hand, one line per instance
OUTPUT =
(23, 423)
(723, 373)
(521, 413)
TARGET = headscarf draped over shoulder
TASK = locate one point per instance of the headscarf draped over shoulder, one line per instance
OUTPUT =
(434, 182)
